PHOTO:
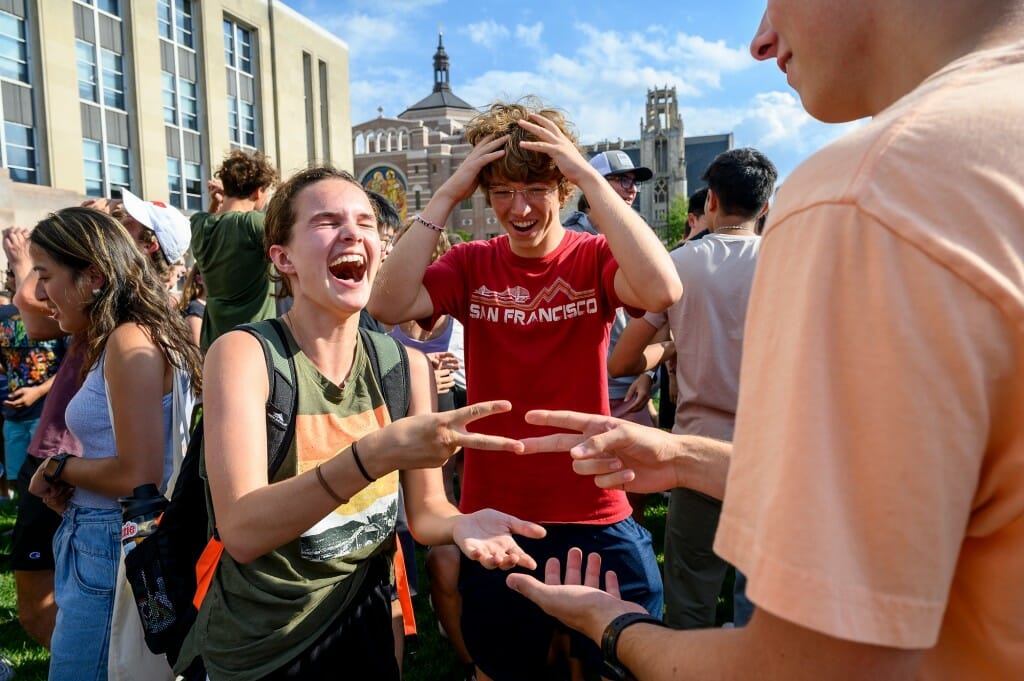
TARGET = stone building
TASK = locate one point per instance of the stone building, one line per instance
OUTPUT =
(151, 94)
(407, 158)
(677, 161)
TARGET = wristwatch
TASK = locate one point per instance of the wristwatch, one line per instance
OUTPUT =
(61, 459)
(611, 667)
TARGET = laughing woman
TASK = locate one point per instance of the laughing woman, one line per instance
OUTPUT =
(101, 289)
(289, 600)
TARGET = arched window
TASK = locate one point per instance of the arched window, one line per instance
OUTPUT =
(661, 191)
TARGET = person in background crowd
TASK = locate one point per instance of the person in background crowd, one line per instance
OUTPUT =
(227, 243)
(29, 367)
(193, 302)
(36, 525)
(99, 287)
(160, 231)
(877, 505)
(707, 324)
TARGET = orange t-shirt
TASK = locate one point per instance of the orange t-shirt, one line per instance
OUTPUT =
(877, 488)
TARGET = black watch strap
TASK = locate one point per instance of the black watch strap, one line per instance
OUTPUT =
(613, 669)
(61, 459)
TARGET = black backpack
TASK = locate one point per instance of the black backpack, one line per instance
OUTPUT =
(162, 569)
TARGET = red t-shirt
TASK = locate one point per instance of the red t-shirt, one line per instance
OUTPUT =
(536, 334)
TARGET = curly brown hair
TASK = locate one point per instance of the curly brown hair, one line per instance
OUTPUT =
(518, 164)
(242, 174)
(78, 238)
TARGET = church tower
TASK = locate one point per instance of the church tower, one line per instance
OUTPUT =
(441, 67)
(662, 149)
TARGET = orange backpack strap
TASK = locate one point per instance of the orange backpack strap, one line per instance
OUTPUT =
(206, 566)
(404, 593)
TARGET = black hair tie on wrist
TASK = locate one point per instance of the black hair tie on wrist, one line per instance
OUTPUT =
(359, 463)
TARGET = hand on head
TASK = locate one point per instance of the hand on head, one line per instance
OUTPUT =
(550, 140)
(466, 178)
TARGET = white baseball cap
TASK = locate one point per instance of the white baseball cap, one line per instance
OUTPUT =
(172, 229)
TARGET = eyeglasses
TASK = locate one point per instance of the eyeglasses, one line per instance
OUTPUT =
(532, 195)
(625, 181)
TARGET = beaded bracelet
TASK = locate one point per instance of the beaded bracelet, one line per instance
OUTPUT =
(359, 463)
(427, 223)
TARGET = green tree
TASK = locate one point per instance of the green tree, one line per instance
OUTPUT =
(678, 210)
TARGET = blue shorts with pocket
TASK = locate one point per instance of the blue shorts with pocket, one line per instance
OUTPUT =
(509, 637)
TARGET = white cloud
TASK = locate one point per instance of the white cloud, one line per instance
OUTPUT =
(530, 35)
(364, 34)
(486, 32)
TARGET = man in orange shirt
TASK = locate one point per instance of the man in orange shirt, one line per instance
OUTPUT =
(875, 494)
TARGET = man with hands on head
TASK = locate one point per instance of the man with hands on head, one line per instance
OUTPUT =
(875, 495)
(536, 305)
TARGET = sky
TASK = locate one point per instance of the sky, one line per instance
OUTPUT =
(593, 60)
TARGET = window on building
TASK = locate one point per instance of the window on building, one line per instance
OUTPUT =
(17, 109)
(88, 87)
(179, 65)
(13, 48)
(241, 81)
(113, 78)
(307, 92)
(419, 200)
(466, 204)
(101, 66)
(661, 155)
(92, 152)
(325, 116)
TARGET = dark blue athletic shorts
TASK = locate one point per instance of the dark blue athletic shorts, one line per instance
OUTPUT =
(509, 637)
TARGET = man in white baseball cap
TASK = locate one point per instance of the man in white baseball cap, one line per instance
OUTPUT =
(160, 231)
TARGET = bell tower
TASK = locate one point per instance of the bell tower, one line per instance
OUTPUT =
(663, 150)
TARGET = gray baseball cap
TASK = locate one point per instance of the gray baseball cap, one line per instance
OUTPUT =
(619, 163)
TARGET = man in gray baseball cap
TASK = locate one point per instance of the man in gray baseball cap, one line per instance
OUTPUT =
(617, 167)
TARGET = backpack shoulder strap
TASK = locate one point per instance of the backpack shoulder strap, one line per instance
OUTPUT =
(390, 363)
(282, 402)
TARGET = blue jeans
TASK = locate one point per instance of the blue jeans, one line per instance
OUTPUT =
(86, 551)
(17, 435)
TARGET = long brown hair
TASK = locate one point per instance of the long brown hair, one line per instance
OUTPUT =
(78, 238)
(192, 289)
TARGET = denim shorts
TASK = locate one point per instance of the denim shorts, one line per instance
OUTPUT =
(509, 637)
(86, 552)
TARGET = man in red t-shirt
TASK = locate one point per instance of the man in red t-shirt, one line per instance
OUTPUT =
(536, 305)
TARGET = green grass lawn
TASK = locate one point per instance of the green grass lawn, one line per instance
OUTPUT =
(427, 658)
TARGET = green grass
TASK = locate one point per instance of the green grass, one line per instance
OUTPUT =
(427, 658)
